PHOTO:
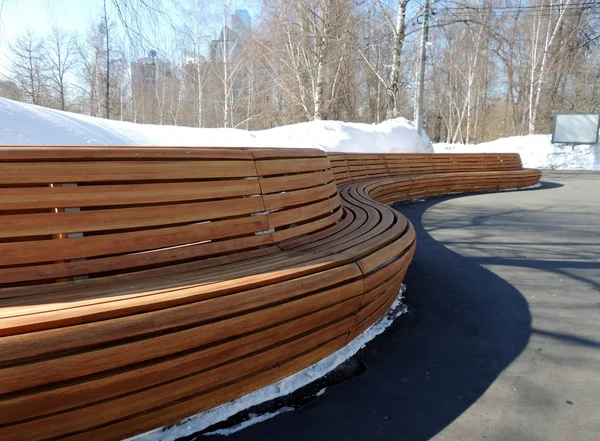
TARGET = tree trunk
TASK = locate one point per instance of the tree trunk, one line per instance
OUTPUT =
(107, 104)
(394, 85)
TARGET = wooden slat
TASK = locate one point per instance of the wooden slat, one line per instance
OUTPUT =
(170, 393)
(298, 197)
(179, 410)
(277, 153)
(82, 364)
(38, 224)
(121, 171)
(299, 214)
(301, 230)
(294, 182)
(69, 308)
(85, 392)
(136, 261)
(16, 253)
(287, 166)
(112, 195)
(57, 153)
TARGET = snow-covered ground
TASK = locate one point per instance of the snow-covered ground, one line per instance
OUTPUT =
(537, 151)
(25, 124)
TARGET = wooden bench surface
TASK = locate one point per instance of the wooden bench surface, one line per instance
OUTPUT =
(170, 280)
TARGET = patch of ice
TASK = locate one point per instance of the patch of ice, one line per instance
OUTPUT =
(321, 392)
(254, 419)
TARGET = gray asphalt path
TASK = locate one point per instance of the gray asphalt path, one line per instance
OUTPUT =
(502, 341)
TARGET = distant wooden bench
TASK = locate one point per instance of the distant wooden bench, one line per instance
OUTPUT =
(139, 286)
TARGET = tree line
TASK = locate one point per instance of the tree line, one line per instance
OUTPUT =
(494, 67)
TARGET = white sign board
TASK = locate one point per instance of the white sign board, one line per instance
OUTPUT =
(571, 128)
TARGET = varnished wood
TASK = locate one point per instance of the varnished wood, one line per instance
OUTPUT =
(202, 274)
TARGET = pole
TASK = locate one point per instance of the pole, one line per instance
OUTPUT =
(154, 91)
(422, 57)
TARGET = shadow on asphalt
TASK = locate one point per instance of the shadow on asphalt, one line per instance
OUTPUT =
(546, 185)
(464, 327)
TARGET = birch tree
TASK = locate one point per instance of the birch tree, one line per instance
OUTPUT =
(553, 23)
(59, 58)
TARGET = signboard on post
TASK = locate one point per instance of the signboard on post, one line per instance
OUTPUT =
(576, 128)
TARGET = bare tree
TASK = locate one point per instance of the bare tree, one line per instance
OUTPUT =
(102, 68)
(194, 40)
(553, 23)
(59, 58)
(27, 67)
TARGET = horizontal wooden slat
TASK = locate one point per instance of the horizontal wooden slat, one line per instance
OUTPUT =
(295, 215)
(294, 182)
(290, 198)
(111, 195)
(98, 360)
(287, 166)
(85, 392)
(120, 171)
(269, 153)
(179, 410)
(133, 404)
(19, 315)
(57, 153)
(37, 224)
(131, 262)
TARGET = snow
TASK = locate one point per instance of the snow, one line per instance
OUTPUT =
(254, 419)
(321, 392)
(281, 388)
(26, 124)
(537, 151)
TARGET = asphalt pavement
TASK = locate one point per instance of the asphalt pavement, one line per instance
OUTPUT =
(502, 341)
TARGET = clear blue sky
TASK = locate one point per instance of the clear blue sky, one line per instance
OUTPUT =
(72, 15)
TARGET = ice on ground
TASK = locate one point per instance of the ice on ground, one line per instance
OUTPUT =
(281, 388)
(26, 124)
(321, 392)
(537, 151)
(254, 419)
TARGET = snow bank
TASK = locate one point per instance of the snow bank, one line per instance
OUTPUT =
(537, 151)
(25, 124)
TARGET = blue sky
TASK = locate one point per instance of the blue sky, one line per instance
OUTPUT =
(72, 15)
(40, 14)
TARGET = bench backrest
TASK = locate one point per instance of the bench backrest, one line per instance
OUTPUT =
(348, 167)
(68, 213)
(77, 212)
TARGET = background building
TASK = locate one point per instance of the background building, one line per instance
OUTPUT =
(155, 88)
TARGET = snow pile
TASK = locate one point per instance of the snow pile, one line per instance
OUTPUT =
(201, 421)
(537, 151)
(25, 124)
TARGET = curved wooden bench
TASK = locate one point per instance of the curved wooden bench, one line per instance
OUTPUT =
(141, 286)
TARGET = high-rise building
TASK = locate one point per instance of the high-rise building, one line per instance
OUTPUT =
(227, 47)
(231, 39)
(154, 88)
(241, 22)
